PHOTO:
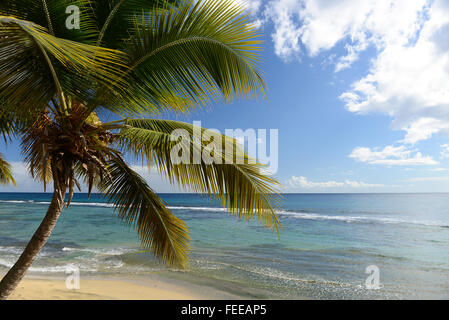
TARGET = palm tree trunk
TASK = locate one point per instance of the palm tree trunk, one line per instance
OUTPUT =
(34, 246)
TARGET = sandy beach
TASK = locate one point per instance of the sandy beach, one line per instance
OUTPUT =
(114, 289)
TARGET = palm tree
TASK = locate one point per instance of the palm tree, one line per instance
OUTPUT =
(81, 99)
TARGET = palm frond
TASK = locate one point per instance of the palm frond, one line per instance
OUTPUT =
(114, 18)
(8, 124)
(148, 56)
(138, 205)
(5, 172)
(243, 187)
(52, 14)
(192, 54)
(34, 65)
(35, 150)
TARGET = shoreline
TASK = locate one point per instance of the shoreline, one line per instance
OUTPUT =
(110, 287)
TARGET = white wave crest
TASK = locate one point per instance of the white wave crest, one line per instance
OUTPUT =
(354, 219)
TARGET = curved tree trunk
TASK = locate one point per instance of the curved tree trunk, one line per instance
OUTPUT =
(34, 246)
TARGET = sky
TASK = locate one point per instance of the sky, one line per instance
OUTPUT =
(357, 89)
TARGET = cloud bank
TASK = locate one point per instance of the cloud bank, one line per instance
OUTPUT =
(408, 77)
(302, 182)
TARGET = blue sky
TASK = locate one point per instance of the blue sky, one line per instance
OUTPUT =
(359, 91)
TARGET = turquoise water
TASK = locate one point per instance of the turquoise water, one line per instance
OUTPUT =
(327, 242)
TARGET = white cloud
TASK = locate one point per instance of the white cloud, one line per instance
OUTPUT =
(423, 128)
(253, 5)
(284, 15)
(408, 78)
(346, 61)
(423, 179)
(361, 22)
(445, 151)
(361, 184)
(391, 156)
(320, 24)
(439, 169)
(302, 182)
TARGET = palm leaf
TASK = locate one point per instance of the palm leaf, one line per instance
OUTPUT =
(35, 152)
(138, 205)
(5, 172)
(34, 65)
(52, 15)
(191, 54)
(243, 187)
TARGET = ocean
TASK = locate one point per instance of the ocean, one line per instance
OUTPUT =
(329, 246)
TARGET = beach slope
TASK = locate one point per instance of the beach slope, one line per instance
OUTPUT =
(111, 289)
